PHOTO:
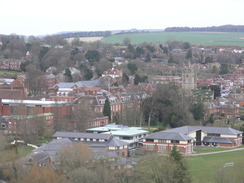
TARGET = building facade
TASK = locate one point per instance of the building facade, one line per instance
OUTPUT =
(185, 137)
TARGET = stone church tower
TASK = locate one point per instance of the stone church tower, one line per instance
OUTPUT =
(189, 78)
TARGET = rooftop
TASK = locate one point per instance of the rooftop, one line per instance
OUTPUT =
(163, 135)
(82, 135)
(215, 130)
(32, 102)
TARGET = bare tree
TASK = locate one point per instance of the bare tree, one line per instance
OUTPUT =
(35, 81)
(41, 174)
(73, 157)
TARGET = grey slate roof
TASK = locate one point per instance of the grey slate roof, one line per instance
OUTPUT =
(206, 129)
(88, 83)
(79, 84)
(116, 142)
(217, 140)
(50, 150)
(163, 135)
(65, 85)
(82, 135)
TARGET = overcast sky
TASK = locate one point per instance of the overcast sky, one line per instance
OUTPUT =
(33, 17)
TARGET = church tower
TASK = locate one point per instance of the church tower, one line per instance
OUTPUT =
(189, 78)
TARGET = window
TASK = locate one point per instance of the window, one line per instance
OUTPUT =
(127, 138)
(213, 135)
(14, 110)
(162, 148)
(164, 141)
(175, 141)
(29, 110)
(149, 147)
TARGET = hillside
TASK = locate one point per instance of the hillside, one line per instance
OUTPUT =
(198, 38)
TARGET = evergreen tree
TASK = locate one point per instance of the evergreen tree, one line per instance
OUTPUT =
(175, 155)
(68, 75)
(125, 79)
(88, 74)
(181, 175)
(139, 51)
(132, 67)
(107, 109)
(198, 111)
(224, 68)
(148, 58)
(189, 54)
(92, 56)
(137, 79)
(170, 60)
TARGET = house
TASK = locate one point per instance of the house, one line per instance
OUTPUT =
(47, 154)
(113, 73)
(50, 79)
(132, 135)
(97, 141)
(186, 137)
(50, 70)
(11, 64)
(70, 91)
(164, 141)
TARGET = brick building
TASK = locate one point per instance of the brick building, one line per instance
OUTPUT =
(19, 114)
(185, 137)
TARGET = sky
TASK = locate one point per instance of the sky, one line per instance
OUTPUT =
(35, 17)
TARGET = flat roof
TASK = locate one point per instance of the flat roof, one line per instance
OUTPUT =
(127, 132)
(32, 102)
(112, 127)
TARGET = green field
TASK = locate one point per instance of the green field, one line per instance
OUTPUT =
(203, 168)
(209, 149)
(198, 38)
(11, 73)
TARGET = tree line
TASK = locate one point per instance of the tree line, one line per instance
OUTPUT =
(86, 34)
(223, 28)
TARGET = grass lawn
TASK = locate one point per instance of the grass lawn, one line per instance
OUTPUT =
(203, 168)
(8, 155)
(11, 73)
(24, 150)
(199, 38)
(44, 141)
(209, 149)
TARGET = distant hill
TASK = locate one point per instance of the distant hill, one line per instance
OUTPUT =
(80, 34)
(84, 34)
(223, 28)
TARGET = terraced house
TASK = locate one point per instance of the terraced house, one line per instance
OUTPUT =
(186, 137)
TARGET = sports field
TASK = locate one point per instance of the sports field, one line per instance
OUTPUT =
(203, 168)
(198, 38)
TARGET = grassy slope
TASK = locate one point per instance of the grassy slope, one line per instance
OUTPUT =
(203, 168)
(8, 155)
(11, 73)
(200, 38)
